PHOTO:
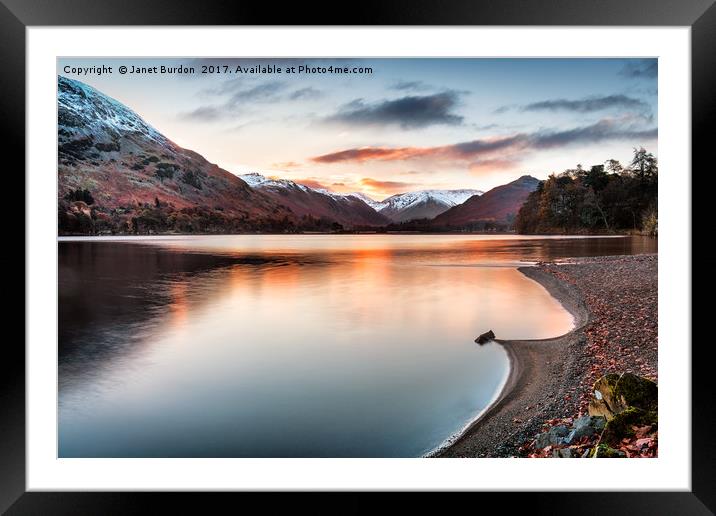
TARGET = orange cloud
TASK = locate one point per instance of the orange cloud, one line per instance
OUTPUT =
(495, 148)
(388, 187)
(286, 164)
(459, 152)
(374, 154)
(310, 183)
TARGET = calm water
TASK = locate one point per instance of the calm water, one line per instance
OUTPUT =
(293, 346)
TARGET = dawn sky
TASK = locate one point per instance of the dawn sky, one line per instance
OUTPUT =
(409, 124)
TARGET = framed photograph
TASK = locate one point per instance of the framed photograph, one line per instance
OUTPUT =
(443, 248)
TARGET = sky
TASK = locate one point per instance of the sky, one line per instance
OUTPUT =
(385, 126)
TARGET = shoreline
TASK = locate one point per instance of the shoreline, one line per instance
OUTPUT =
(535, 372)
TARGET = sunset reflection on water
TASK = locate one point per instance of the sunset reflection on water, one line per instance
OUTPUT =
(288, 346)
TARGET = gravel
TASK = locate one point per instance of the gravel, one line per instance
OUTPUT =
(614, 301)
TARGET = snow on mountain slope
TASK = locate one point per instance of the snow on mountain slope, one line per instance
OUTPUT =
(397, 208)
(256, 180)
(116, 173)
(377, 206)
(347, 209)
(423, 203)
(84, 110)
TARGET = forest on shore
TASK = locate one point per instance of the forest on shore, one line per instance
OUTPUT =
(605, 198)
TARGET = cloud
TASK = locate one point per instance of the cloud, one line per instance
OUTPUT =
(260, 93)
(642, 69)
(308, 93)
(203, 114)
(485, 127)
(310, 183)
(499, 147)
(374, 154)
(407, 112)
(239, 97)
(504, 109)
(584, 105)
(487, 146)
(603, 130)
(286, 164)
(589, 104)
(410, 86)
(385, 186)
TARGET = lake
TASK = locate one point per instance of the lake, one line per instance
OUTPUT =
(293, 345)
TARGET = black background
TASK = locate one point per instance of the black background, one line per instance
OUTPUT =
(700, 15)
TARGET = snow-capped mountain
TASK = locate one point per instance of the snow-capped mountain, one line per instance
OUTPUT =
(349, 210)
(116, 173)
(256, 180)
(376, 205)
(359, 195)
(82, 110)
(424, 204)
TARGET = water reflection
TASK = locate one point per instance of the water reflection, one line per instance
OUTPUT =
(291, 345)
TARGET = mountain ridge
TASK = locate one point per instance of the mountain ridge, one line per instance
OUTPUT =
(423, 204)
(347, 210)
(498, 205)
(118, 174)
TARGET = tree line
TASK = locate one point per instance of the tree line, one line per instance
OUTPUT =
(604, 198)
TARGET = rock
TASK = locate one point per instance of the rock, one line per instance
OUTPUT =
(604, 402)
(639, 392)
(585, 426)
(621, 425)
(613, 393)
(485, 337)
(598, 423)
(554, 436)
(577, 434)
(606, 452)
(562, 453)
(542, 440)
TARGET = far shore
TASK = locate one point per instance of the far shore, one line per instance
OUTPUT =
(132, 236)
(547, 376)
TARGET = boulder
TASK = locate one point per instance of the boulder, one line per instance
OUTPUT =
(584, 426)
(485, 337)
(595, 422)
(578, 433)
(563, 453)
(542, 440)
(613, 393)
(622, 425)
(606, 452)
(554, 436)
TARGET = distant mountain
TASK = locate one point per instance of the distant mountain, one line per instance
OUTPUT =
(360, 195)
(117, 173)
(349, 210)
(423, 204)
(499, 205)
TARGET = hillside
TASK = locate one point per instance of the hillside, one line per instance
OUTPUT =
(497, 206)
(117, 174)
(348, 210)
(423, 204)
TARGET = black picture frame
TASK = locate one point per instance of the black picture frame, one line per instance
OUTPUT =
(700, 15)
